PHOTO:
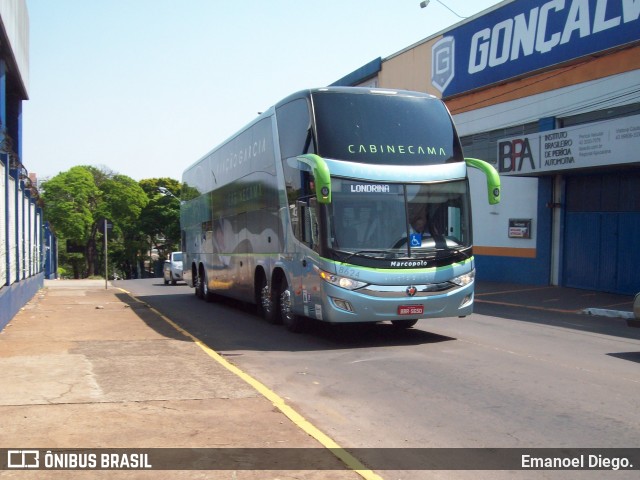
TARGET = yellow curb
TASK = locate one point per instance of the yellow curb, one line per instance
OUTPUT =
(345, 457)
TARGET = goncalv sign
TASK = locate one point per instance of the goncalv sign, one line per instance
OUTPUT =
(529, 35)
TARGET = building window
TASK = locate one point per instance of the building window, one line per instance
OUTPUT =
(599, 115)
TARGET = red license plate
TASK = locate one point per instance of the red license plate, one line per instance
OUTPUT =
(410, 309)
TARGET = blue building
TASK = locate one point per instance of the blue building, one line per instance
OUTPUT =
(22, 245)
(548, 92)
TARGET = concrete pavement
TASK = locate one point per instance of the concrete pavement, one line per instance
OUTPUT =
(555, 299)
(82, 366)
(86, 367)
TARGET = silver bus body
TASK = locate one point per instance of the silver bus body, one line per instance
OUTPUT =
(299, 216)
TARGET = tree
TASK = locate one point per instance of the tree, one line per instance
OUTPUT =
(76, 201)
(124, 203)
(70, 198)
(160, 219)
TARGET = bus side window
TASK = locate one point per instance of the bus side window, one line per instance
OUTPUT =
(306, 228)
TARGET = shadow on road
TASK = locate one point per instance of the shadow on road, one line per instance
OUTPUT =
(630, 356)
(232, 325)
(586, 323)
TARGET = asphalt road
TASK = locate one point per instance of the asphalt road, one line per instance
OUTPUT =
(498, 378)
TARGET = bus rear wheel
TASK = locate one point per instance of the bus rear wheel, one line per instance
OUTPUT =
(261, 295)
(202, 286)
(207, 294)
(293, 322)
(269, 303)
(197, 284)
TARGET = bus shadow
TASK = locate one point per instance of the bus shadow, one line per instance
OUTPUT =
(145, 312)
(231, 325)
(629, 356)
(372, 335)
(574, 321)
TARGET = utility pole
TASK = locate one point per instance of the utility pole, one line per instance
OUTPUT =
(106, 256)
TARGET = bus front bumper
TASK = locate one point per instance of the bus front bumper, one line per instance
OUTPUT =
(395, 303)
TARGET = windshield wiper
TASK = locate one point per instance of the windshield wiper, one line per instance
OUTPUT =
(344, 257)
(361, 253)
(436, 253)
(455, 251)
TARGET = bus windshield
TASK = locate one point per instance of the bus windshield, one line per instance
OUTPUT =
(401, 220)
(380, 129)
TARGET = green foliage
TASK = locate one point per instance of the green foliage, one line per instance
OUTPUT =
(152, 186)
(70, 199)
(124, 200)
(62, 272)
(144, 214)
(160, 219)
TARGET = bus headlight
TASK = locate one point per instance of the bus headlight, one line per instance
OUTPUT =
(465, 279)
(337, 280)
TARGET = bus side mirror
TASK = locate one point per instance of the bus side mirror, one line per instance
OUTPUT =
(321, 175)
(493, 178)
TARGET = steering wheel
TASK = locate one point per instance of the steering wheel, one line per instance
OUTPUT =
(400, 242)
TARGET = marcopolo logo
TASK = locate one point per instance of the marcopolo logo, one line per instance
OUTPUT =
(442, 63)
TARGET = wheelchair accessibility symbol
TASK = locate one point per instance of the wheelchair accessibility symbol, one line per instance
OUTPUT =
(415, 240)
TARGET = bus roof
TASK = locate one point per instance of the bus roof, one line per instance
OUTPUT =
(352, 90)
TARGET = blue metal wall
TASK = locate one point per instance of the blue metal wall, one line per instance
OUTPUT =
(602, 233)
(21, 223)
(21, 246)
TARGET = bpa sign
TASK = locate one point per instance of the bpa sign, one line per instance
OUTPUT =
(515, 156)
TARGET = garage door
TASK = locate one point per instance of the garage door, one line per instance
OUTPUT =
(602, 233)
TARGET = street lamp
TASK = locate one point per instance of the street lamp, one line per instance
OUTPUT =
(166, 192)
(424, 3)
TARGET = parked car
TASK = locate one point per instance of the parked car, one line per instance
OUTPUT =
(172, 268)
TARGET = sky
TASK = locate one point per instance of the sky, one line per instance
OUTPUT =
(145, 88)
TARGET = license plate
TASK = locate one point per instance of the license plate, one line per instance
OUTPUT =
(410, 309)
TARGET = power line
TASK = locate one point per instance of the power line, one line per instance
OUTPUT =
(424, 3)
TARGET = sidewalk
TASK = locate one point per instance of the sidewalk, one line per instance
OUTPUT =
(558, 299)
(86, 367)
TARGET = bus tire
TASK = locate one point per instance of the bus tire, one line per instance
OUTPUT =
(198, 285)
(206, 293)
(293, 322)
(261, 294)
(271, 304)
(403, 324)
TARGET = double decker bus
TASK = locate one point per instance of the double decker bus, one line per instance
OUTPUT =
(339, 204)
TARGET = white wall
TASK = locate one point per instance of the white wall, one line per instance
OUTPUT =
(519, 199)
(15, 22)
